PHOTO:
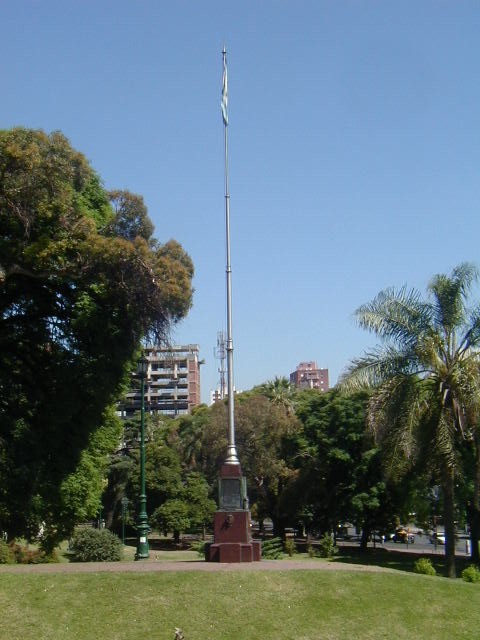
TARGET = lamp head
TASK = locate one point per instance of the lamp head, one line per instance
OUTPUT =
(142, 367)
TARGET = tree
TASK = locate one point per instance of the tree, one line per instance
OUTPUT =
(190, 431)
(339, 472)
(119, 473)
(200, 506)
(473, 509)
(169, 475)
(171, 516)
(131, 218)
(75, 303)
(263, 432)
(425, 378)
(163, 473)
(210, 428)
(281, 392)
(190, 509)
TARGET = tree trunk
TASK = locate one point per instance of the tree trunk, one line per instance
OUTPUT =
(108, 515)
(449, 519)
(475, 507)
(278, 527)
(366, 531)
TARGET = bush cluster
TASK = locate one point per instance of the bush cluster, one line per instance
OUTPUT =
(6, 553)
(290, 547)
(272, 549)
(199, 547)
(326, 546)
(19, 554)
(95, 545)
(425, 567)
(471, 574)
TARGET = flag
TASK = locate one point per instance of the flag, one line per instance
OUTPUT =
(224, 103)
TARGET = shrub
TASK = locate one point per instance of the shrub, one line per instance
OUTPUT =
(24, 555)
(471, 574)
(272, 549)
(6, 553)
(290, 547)
(96, 545)
(425, 567)
(326, 546)
(199, 547)
(311, 551)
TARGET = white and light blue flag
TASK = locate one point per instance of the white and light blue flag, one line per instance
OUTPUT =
(224, 103)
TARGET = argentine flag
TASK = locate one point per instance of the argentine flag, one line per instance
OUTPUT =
(224, 103)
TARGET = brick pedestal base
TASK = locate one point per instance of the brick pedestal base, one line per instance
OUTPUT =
(232, 537)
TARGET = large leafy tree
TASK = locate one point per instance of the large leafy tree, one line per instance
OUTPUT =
(425, 378)
(263, 433)
(339, 472)
(176, 494)
(192, 509)
(190, 429)
(131, 219)
(77, 294)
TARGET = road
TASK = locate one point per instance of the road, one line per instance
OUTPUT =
(422, 544)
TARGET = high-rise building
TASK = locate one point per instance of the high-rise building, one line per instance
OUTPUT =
(216, 395)
(308, 376)
(172, 384)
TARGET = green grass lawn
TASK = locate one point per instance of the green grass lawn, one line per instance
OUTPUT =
(397, 560)
(280, 605)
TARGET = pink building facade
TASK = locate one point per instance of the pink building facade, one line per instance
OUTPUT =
(308, 376)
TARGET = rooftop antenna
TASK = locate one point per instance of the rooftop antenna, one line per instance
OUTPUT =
(220, 354)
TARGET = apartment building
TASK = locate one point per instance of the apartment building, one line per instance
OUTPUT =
(308, 376)
(172, 383)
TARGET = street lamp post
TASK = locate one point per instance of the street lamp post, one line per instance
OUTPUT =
(124, 512)
(142, 522)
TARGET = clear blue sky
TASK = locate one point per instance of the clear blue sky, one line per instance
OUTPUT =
(354, 149)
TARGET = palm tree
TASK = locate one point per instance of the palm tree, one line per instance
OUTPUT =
(281, 392)
(425, 376)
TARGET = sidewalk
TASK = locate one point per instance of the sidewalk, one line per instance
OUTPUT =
(144, 566)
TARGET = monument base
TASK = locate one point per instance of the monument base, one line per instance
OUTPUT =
(231, 527)
(232, 539)
(234, 552)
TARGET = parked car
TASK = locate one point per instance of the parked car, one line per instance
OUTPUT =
(402, 535)
(377, 537)
(437, 538)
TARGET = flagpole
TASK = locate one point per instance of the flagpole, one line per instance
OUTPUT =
(232, 457)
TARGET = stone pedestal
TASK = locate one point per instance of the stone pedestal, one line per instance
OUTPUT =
(232, 537)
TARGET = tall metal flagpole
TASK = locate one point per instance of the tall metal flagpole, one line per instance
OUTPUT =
(231, 527)
(232, 457)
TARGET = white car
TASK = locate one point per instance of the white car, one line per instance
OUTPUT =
(437, 538)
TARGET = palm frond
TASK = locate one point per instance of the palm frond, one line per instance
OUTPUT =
(466, 274)
(377, 366)
(471, 338)
(450, 294)
(393, 416)
(398, 316)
